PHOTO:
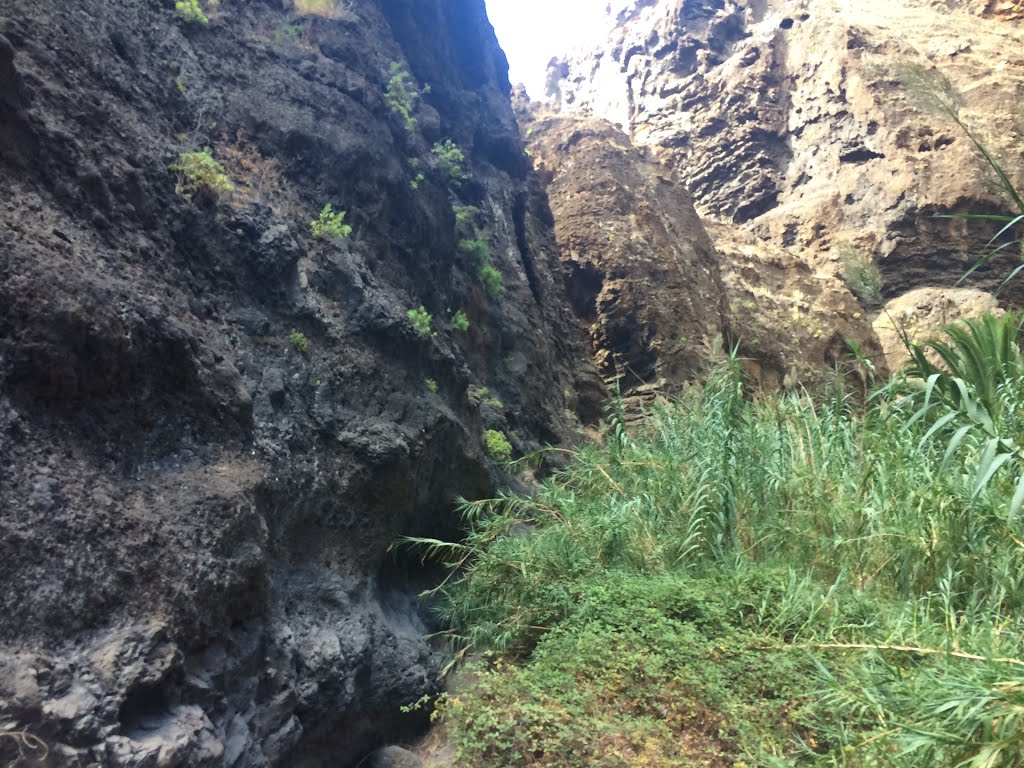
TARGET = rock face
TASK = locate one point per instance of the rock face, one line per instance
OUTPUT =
(641, 270)
(793, 323)
(212, 425)
(806, 123)
(660, 300)
(921, 314)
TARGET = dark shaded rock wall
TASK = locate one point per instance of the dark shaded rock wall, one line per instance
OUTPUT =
(196, 514)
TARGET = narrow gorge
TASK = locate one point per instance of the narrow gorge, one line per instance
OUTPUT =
(282, 279)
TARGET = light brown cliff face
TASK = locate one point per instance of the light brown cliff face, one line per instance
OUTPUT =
(642, 273)
(792, 118)
(793, 323)
(659, 299)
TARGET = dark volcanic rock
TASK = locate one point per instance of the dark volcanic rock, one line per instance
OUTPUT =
(196, 514)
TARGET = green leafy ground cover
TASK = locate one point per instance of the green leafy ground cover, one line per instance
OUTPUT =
(760, 581)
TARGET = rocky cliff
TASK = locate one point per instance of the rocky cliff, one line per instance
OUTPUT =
(663, 292)
(213, 423)
(641, 270)
(808, 131)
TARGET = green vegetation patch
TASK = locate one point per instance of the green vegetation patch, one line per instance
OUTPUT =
(452, 161)
(421, 321)
(329, 225)
(460, 322)
(642, 662)
(861, 275)
(787, 581)
(299, 341)
(492, 281)
(479, 255)
(199, 172)
(498, 445)
(401, 95)
(192, 12)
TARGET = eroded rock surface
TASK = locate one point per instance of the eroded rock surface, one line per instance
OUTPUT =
(661, 300)
(921, 314)
(794, 324)
(196, 505)
(641, 271)
(800, 120)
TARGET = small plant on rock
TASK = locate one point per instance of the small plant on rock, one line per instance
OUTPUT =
(400, 95)
(198, 172)
(432, 385)
(192, 12)
(299, 341)
(465, 214)
(498, 445)
(451, 160)
(861, 275)
(421, 320)
(329, 225)
(477, 251)
(460, 322)
(492, 280)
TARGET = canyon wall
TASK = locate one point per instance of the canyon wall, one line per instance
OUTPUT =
(212, 423)
(818, 133)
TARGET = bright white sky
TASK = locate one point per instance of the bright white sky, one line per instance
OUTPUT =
(532, 31)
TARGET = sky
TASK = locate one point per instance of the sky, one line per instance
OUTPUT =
(532, 31)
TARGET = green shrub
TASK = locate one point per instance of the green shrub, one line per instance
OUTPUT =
(861, 275)
(465, 215)
(421, 320)
(498, 445)
(477, 251)
(432, 385)
(401, 94)
(492, 281)
(199, 173)
(299, 341)
(192, 12)
(460, 322)
(329, 225)
(451, 160)
(648, 673)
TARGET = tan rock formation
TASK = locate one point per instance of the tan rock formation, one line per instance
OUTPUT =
(641, 271)
(794, 118)
(923, 313)
(659, 299)
(793, 323)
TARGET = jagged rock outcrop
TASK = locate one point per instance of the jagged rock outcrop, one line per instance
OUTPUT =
(800, 120)
(793, 323)
(660, 300)
(641, 271)
(196, 503)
